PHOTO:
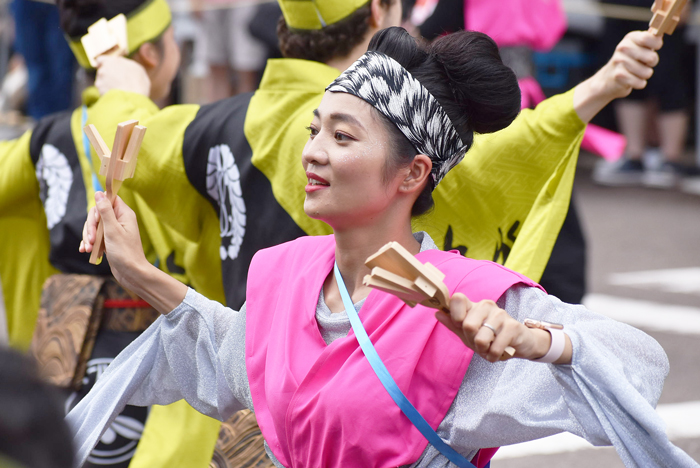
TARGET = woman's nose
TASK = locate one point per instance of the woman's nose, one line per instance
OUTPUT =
(315, 151)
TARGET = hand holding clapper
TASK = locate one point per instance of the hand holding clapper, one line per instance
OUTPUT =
(397, 272)
(117, 165)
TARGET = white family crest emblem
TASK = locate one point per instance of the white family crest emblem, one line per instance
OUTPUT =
(55, 180)
(224, 186)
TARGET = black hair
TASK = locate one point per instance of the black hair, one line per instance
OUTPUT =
(77, 15)
(464, 72)
(32, 429)
(335, 40)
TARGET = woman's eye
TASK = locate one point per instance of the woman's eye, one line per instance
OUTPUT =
(312, 131)
(341, 137)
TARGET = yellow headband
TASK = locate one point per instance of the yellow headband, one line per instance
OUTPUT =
(316, 14)
(146, 23)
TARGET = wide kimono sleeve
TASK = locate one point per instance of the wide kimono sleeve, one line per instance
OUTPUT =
(196, 353)
(507, 200)
(18, 183)
(24, 240)
(160, 177)
(607, 395)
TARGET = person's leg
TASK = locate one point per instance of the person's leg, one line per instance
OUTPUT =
(672, 94)
(219, 80)
(246, 53)
(61, 65)
(632, 121)
(631, 118)
(29, 42)
(673, 131)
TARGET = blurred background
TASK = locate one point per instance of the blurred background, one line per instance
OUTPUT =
(634, 229)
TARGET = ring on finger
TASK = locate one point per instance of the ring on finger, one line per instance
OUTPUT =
(489, 327)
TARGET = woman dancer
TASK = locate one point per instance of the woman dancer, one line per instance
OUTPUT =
(385, 134)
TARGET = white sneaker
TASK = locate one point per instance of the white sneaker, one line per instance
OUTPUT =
(669, 175)
(620, 173)
(691, 185)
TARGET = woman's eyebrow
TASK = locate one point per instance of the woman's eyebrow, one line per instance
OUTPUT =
(341, 117)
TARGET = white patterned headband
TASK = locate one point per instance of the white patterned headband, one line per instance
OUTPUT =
(391, 89)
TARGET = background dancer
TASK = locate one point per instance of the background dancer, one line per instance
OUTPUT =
(379, 143)
(46, 187)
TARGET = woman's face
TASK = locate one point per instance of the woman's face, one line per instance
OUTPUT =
(163, 75)
(344, 160)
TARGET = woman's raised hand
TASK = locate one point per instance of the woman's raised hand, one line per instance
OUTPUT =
(121, 73)
(630, 67)
(632, 64)
(488, 330)
(122, 241)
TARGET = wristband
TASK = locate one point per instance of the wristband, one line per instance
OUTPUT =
(556, 348)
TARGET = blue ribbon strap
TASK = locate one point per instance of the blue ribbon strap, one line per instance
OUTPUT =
(96, 186)
(388, 381)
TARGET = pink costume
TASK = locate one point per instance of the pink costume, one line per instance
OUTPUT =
(537, 24)
(322, 405)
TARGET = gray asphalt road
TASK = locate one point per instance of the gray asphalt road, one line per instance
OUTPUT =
(630, 230)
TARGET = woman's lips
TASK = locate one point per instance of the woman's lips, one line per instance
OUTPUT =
(315, 183)
(314, 188)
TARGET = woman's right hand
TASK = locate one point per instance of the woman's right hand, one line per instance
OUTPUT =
(122, 240)
(115, 72)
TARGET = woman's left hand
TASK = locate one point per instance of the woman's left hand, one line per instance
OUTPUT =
(630, 67)
(488, 330)
(121, 238)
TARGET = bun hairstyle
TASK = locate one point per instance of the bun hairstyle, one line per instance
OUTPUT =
(77, 15)
(464, 72)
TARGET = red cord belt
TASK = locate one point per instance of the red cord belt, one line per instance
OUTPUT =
(126, 304)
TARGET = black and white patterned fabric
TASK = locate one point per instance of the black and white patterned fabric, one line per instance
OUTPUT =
(391, 89)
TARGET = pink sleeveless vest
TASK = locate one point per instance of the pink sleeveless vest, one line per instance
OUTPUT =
(322, 405)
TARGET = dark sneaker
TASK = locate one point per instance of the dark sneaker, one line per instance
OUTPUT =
(669, 175)
(625, 172)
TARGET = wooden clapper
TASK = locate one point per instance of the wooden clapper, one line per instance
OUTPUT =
(397, 272)
(667, 15)
(117, 165)
(106, 38)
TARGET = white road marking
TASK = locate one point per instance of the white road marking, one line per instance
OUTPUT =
(679, 280)
(651, 316)
(683, 420)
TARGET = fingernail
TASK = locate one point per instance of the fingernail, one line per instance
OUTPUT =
(99, 196)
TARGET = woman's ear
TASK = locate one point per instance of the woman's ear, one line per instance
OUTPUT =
(418, 173)
(149, 56)
(378, 12)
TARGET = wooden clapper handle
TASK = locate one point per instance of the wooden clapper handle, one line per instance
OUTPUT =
(116, 166)
(667, 15)
(396, 271)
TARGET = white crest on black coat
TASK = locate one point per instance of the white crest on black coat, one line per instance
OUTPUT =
(224, 187)
(391, 89)
(55, 180)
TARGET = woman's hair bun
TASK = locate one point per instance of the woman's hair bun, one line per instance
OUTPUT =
(464, 72)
